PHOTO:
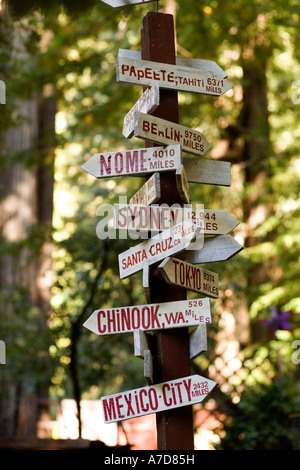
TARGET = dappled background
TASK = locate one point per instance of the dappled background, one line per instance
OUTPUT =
(63, 104)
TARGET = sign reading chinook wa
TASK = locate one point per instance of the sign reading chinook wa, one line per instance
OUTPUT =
(157, 218)
(124, 3)
(165, 132)
(167, 243)
(174, 77)
(147, 103)
(149, 317)
(159, 397)
(183, 274)
(134, 162)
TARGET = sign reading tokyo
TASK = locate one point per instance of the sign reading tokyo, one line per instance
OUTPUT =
(150, 317)
(134, 162)
(160, 397)
(124, 3)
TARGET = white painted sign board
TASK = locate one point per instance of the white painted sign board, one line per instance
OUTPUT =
(196, 279)
(166, 243)
(124, 3)
(149, 193)
(202, 64)
(150, 317)
(147, 103)
(159, 397)
(136, 162)
(203, 171)
(219, 248)
(170, 77)
(198, 341)
(162, 217)
(168, 133)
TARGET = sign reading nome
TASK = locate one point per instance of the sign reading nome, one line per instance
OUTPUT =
(160, 397)
(136, 162)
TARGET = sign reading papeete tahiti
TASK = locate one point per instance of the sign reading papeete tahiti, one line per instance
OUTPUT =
(149, 317)
(159, 397)
(201, 64)
(136, 162)
(174, 77)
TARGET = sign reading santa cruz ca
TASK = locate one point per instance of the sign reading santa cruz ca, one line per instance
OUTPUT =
(167, 243)
(150, 317)
(159, 397)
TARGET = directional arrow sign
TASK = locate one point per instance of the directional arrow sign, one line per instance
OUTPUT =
(183, 274)
(148, 193)
(123, 3)
(215, 249)
(207, 171)
(173, 77)
(167, 243)
(166, 132)
(133, 162)
(147, 103)
(150, 317)
(157, 218)
(207, 65)
(159, 397)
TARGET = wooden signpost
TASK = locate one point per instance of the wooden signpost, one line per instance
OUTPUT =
(149, 317)
(174, 77)
(159, 397)
(183, 274)
(166, 132)
(161, 327)
(136, 162)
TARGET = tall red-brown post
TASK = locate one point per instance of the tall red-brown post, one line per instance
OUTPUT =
(170, 349)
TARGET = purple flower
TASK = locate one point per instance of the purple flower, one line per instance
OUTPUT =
(278, 320)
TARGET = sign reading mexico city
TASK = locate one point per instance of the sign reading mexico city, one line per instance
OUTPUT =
(159, 397)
